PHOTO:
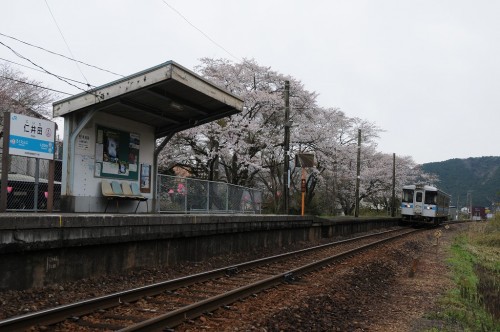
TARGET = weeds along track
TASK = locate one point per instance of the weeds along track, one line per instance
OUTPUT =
(165, 305)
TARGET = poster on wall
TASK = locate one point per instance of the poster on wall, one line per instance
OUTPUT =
(145, 183)
(82, 143)
(117, 153)
(133, 155)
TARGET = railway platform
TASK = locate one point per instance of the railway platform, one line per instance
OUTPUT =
(37, 249)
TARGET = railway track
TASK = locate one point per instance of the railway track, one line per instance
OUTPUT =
(167, 304)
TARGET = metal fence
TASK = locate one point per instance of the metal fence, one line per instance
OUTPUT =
(186, 195)
(27, 188)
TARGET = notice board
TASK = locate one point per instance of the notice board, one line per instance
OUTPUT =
(117, 154)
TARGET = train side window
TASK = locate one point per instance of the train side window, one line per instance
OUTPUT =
(407, 195)
(430, 197)
(419, 197)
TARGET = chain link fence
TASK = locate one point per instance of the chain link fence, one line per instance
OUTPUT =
(186, 195)
(27, 188)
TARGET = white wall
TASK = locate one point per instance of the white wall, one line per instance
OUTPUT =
(87, 186)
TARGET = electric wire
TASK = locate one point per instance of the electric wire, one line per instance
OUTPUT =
(64, 79)
(58, 54)
(65, 42)
(45, 70)
(203, 33)
(41, 71)
(35, 85)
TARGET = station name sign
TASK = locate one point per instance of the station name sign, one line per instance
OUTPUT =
(31, 137)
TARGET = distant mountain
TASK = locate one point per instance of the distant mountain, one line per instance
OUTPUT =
(479, 176)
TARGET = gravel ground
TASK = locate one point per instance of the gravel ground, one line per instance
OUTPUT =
(389, 289)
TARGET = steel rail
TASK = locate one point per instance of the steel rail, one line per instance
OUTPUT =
(176, 317)
(60, 313)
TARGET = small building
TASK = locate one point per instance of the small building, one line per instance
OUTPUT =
(116, 131)
(478, 213)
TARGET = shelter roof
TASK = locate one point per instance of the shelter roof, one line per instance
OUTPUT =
(168, 97)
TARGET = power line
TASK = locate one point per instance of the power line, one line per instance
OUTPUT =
(45, 70)
(203, 33)
(58, 54)
(67, 45)
(35, 85)
(41, 71)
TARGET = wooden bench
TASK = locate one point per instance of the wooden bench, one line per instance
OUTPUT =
(114, 191)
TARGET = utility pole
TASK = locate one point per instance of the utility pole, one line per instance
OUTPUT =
(358, 171)
(471, 213)
(286, 165)
(334, 191)
(469, 203)
(393, 203)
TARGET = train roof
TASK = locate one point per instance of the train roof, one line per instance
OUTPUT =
(419, 186)
(424, 187)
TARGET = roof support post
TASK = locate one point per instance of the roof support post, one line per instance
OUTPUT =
(69, 150)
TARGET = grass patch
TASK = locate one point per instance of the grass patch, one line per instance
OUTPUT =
(474, 303)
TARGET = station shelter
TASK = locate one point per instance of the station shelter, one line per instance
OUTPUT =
(116, 131)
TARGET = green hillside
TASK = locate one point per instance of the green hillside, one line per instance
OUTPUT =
(479, 176)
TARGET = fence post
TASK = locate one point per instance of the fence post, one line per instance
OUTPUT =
(50, 186)
(227, 197)
(5, 161)
(208, 196)
(36, 184)
(186, 197)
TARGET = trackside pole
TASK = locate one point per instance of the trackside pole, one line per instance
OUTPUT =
(303, 190)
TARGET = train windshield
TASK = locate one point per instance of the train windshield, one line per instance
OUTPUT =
(418, 198)
(407, 195)
(430, 197)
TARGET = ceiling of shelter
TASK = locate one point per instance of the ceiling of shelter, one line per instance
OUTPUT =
(167, 97)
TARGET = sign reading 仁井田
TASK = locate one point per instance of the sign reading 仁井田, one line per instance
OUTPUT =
(31, 137)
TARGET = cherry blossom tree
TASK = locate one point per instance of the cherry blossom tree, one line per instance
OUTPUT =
(247, 148)
(19, 94)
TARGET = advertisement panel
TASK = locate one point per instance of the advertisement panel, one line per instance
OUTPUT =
(31, 137)
(117, 154)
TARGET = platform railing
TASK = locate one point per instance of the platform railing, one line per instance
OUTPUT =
(187, 195)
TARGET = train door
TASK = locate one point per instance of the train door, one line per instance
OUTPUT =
(419, 204)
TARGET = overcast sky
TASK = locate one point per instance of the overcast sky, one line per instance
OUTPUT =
(425, 71)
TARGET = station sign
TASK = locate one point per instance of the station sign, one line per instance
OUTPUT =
(31, 137)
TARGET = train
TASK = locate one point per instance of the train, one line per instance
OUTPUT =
(424, 204)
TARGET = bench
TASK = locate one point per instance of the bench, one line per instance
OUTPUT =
(114, 191)
(132, 192)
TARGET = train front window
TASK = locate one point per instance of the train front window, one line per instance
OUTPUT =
(407, 195)
(418, 198)
(430, 197)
